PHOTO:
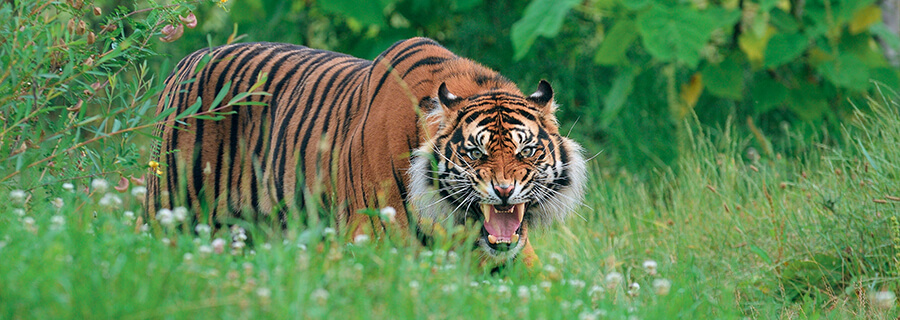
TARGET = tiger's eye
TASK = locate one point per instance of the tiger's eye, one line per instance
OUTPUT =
(475, 154)
(527, 152)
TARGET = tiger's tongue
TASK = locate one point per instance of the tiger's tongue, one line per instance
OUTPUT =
(503, 224)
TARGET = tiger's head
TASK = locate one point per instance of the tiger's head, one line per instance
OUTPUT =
(496, 157)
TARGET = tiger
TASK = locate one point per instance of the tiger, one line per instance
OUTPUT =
(439, 138)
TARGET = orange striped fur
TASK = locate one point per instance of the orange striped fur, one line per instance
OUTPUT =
(438, 137)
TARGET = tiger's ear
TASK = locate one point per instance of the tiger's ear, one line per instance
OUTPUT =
(448, 100)
(543, 97)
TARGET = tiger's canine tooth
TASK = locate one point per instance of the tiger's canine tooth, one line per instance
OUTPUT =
(519, 210)
(486, 209)
(515, 238)
(492, 239)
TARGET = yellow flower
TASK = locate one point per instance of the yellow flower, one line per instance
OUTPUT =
(223, 1)
(159, 172)
(153, 164)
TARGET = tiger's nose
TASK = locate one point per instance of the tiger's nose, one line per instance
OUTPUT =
(503, 191)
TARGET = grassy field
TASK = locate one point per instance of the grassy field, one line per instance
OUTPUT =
(724, 234)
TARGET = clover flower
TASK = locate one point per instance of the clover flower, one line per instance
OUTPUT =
(179, 213)
(218, 246)
(884, 299)
(139, 191)
(650, 267)
(99, 185)
(68, 187)
(203, 229)
(110, 200)
(613, 279)
(662, 286)
(57, 222)
(57, 202)
(388, 213)
(17, 196)
(165, 217)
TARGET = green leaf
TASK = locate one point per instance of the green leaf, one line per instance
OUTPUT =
(884, 33)
(761, 253)
(541, 18)
(636, 4)
(766, 93)
(225, 89)
(202, 63)
(369, 12)
(617, 41)
(675, 34)
(784, 48)
(808, 102)
(463, 5)
(846, 71)
(618, 94)
(725, 79)
(190, 110)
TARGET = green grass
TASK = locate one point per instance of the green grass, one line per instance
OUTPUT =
(807, 237)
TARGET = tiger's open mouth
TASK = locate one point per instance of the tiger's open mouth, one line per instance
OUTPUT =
(502, 225)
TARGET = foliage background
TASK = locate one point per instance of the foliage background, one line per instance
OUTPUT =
(626, 72)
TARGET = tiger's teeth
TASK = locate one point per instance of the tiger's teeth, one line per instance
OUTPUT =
(486, 209)
(519, 209)
(515, 238)
(492, 239)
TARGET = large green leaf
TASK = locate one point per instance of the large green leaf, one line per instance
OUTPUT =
(784, 48)
(675, 33)
(766, 93)
(725, 79)
(618, 94)
(541, 18)
(369, 12)
(617, 41)
(808, 102)
(846, 71)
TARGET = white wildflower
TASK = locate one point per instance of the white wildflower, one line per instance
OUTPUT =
(267, 246)
(139, 191)
(128, 215)
(68, 187)
(218, 245)
(556, 258)
(166, 241)
(17, 196)
(57, 202)
(613, 279)
(203, 229)
(328, 231)
(650, 267)
(546, 285)
(662, 286)
(57, 222)
(523, 293)
(110, 200)
(165, 217)
(596, 291)
(180, 213)
(388, 213)
(576, 283)
(29, 224)
(320, 296)
(414, 284)
(19, 212)
(502, 289)
(633, 289)
(361, 238)
(204, 249)
(884, 299)
(188, 257)
(263, 292)
(99, 185)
